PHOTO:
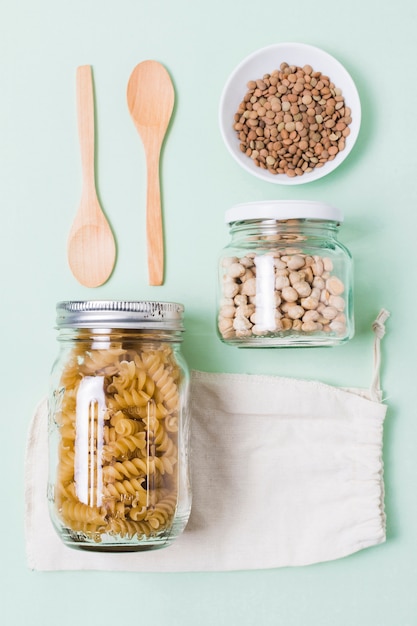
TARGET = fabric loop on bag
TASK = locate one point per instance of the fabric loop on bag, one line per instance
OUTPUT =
(379, 324)
(378, 327)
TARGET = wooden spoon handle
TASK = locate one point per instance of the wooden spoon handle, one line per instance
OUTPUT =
(154, 228)
(85, 108)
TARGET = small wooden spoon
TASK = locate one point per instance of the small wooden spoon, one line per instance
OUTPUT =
(91, 245)
(150, 98)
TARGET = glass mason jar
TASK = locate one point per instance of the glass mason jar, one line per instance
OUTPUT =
(284, 278)
(119, 426)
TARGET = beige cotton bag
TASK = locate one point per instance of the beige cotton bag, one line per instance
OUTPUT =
(285, 472)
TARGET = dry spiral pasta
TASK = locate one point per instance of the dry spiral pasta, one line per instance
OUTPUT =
(118, 448)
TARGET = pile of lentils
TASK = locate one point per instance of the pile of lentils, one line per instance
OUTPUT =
(292, 121)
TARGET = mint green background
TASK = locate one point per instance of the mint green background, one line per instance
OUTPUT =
(41, 44)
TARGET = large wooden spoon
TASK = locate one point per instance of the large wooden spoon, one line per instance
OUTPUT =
(150, 98)
(91, 245)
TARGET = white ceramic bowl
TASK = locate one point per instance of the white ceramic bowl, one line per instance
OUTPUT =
(265, 61)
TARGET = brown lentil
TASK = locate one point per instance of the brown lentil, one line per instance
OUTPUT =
(298, 115)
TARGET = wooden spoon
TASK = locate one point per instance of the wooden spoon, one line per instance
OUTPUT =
(150, 98)
(91, 245)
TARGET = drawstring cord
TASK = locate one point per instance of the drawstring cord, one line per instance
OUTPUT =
(378, 327)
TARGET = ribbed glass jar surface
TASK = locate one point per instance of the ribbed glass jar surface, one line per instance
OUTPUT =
(285, 281)
(119, 426)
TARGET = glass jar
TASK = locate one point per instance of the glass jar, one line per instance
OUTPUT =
(284, 278)
(119, 426)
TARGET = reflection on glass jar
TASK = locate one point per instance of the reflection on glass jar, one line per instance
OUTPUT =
(284, 278)
(119, 426)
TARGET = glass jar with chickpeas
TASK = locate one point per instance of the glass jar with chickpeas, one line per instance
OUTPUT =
(284, 278)
(119, 426)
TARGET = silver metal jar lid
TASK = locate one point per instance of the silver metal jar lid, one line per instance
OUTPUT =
(143, 314)
(283, 210)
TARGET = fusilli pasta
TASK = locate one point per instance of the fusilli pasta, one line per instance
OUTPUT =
(118, 449)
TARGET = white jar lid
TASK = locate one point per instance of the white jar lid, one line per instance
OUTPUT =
(283, 210)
